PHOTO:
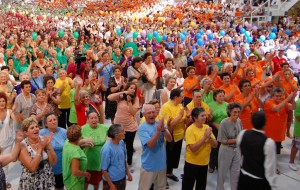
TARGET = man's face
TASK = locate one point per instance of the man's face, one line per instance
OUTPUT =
(252, 47)
(277, 96)
(197, 97)
(150, 114)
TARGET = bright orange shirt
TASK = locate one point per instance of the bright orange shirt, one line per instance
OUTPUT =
(288, 89)
(187, 83)
(247, 111)
(276, 121)
(257, 68)
(229, 89)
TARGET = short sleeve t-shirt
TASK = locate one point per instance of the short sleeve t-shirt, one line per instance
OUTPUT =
(218, 111)
(57, 142)
(113, 160)
(193, 135)
(65, 94)
(70, 152)
(98, 134)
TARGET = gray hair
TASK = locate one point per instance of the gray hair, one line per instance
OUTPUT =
(204, 80)
(82, 93)
(146, 106)
(113, 130)
(24, 73)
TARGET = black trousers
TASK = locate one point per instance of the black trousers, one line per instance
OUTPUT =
(278, 147)
(173, 155)
(213, 161)
(194, 173)
(129, 138)
(249, 183)
(63, 119)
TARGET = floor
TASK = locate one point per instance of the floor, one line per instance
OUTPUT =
(287, 180)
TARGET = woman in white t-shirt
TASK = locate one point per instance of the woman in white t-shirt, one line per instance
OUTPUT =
(169, 71)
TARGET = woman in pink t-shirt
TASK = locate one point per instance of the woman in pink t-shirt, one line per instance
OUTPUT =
(128, 105)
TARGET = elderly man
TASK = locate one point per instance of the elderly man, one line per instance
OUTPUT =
(180, 55)
(152, 134)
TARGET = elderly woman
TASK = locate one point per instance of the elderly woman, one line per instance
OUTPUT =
(74, 161)
(115, 84)
(83, 104)
(199, 141)
(41, 107)
(7, 128)
(170, 71)
(126, 60)
(64, 84)
(127, 107)
(136, 70)
(165, 93)
(7, 87)
(52, 93)
(92, 129)
(174, 111)
(36, 156)
(151, 75)
(229, 158)
(24, 76)
(5, 159)
(114, 166)
(58, 140)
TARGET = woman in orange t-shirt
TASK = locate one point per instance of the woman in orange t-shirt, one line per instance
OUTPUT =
(276, 110)
(191, 83)
(251, 77)
(250, 103)
(231, 90)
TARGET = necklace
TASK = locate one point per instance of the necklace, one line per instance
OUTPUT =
(35, 146)
(28, 103)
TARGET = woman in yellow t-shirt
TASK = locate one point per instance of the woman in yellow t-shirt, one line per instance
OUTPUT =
(64, 84)
(199, 141)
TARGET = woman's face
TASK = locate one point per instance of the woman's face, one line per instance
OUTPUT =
(246, 88)
(32, 131)
(93, 119)
(62, 74)
(169, 64)
(121, 134)
(2, 103)
(117, 73)
(85, 99)
(138, 64)
(229, 69)
(3, 78)
(226, 80)
(171, 83)
(50, 84)
(127, 52)
(250, 75)
(52, 122)
(235, 113)
(24, 77)
(191, 73)
(220, 97)
(131, 89)
(41, 97)
(201, 118)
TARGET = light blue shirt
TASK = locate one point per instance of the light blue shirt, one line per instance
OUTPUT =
(57, 142)
(37, 83)
(106, 72)
(153, 159)
(113, 160)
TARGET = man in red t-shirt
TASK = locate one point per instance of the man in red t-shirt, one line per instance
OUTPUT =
(278, 60)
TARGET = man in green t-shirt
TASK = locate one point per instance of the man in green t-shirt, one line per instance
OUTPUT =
(296, 140)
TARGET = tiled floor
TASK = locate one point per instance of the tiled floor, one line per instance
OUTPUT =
(288, 180)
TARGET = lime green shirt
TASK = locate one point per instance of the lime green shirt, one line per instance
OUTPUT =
(218, 111)
(73, 116)
(297, 122)
(98, 134)
(70, 152)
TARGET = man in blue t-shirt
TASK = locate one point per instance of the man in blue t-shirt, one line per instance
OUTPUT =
(152, 134)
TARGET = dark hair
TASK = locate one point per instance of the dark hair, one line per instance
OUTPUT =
(147, 54)
(231, 106)
(130, 79)
(47, 115)
(90, 112)
(3, 95)
(136, 60)
(242, 82)
(154, 101)
(47, 78)
(113, 130)
(258, 120)
(175, 93)
(4, 67)
(216, 92)
(276, 90)
(283, 64)
(74, 133)
(105, 52)
(224, 74)
(169, 59)
(189, 68)
(196, 112)
(117, 67)
(9, 59)
(23, 83)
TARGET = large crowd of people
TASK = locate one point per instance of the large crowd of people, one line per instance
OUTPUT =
(189, 73)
